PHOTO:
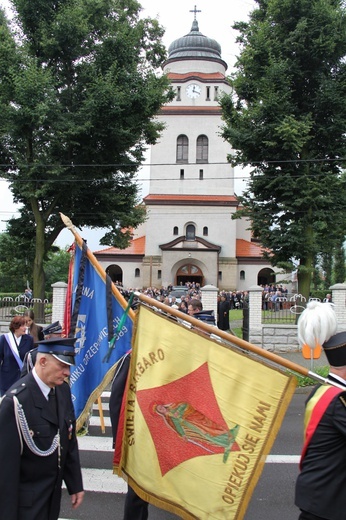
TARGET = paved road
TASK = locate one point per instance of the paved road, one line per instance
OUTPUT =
(272, 498)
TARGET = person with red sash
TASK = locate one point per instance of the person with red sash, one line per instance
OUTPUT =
(320, 487)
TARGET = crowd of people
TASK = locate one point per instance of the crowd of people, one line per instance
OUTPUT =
(226, 300)
(273, 297)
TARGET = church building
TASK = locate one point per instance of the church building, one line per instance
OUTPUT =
(189, 234)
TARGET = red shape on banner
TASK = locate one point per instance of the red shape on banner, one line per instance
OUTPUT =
(185, 421)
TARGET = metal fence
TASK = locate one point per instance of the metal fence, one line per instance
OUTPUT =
(10, 307)
(285, 309)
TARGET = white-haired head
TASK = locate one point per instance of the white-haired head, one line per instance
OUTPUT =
(317, 324)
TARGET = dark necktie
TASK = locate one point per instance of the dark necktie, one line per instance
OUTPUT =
(52, 403)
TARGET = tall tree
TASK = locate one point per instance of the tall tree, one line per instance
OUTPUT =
(286, 118)
(16, 261)
(15, 268)
(339, 263)
(79, 91)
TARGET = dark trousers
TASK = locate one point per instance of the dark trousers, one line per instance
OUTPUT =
(135, 507)
(304, 515)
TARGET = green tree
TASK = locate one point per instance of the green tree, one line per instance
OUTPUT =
(79, 91)
(339, 263)
(15, 265)
(56, 268)
(327, 269)
(286, 118)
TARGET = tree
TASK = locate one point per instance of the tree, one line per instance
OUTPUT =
(15, 266)
(78, 94)
(286, 119)
(339, 263)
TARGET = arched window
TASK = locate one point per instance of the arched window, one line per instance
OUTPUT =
(202, 149)
(137, 272)
(182, 149)
(190, 232)
(205, 231)
(175, 230)
(242, 275)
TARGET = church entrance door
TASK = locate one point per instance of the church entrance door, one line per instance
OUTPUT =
(189, 273)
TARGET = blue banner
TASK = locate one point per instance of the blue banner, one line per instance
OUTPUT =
(93, 369)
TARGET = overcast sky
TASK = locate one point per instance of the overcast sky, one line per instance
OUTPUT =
(215, 20)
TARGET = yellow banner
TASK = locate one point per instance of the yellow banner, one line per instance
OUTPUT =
(200, 420)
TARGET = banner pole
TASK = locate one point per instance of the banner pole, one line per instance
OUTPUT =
(214, 331)
(93, 260)
(102, 419)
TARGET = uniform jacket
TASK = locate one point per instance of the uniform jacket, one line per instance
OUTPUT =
(320, 487)
(30, 486)
(9, 369)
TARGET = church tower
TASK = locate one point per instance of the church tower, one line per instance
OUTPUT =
(189, 234)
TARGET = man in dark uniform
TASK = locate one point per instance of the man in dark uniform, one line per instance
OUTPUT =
(54, 330)
(321, 484)
(38, 444)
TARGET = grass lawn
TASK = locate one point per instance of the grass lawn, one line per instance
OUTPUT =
(234, 316)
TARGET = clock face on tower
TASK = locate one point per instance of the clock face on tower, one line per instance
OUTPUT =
(193, 90)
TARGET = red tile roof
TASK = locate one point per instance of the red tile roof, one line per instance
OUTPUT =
(201, 75)
(248, 249)
(136, 247)
(182, 199)
(244, 249)
(182, 109)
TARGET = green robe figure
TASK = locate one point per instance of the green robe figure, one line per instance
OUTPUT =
(193, 426)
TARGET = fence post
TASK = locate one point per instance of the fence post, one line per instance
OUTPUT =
(59, 299)
(339, 300)
(255, 314)
(209, 298)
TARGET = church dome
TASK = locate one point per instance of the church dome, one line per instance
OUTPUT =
(194, 45)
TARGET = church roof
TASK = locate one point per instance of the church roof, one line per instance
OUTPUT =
(190, 110)
(244, 249)
(206, 200)
(248, 249)
(187, 76)
(136, 247)
(195, 45)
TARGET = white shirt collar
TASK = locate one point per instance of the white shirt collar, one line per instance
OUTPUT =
(45, 389)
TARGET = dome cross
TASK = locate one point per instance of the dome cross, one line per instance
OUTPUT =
(195, 10)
